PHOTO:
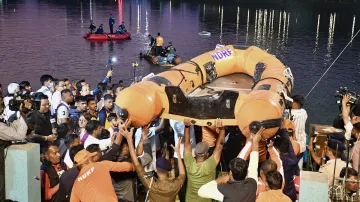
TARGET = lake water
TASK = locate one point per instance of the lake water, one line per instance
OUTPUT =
(38, 36)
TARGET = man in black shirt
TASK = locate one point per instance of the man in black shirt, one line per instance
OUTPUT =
(241, 183)
(39, 122)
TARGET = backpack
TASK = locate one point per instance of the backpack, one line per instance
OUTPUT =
(56, 111)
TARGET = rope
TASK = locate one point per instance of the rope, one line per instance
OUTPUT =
(332, 63)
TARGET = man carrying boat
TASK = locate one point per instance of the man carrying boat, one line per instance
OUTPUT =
(92, 27)
(111, 24)
(100, 30)
(159, 43)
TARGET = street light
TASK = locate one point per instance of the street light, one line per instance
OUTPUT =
(110, 62)
(135, 64)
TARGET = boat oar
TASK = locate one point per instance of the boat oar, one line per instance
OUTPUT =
(148, 52)
(107, 35)
(123, 31)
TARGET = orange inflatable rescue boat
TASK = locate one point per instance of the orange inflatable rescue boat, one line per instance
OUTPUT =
(246, 88)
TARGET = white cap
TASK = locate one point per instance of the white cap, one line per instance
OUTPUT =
(12, 88)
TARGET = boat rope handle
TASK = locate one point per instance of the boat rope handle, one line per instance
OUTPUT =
(181, 72)
(182, 79)
(332, 64)
(198, 69)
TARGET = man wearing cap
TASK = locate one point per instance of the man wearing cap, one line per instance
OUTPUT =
(162, 189)
(201, 169)
(330, 152)
(68, 179)
(94, 182)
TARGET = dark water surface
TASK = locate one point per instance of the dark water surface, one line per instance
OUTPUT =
(38, 36)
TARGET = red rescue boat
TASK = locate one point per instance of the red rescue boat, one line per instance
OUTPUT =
(107, 36)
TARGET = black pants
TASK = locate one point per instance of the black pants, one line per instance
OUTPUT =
(158, 50)
(111, 28)
(182, 192)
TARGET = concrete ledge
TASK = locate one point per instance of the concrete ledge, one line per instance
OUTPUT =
(314, 187)
(22, 172)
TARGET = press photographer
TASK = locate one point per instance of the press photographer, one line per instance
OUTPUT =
(352, 126)
(12, 89)
(16, 130)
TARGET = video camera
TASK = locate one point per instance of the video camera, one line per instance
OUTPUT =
(20, 97)
(354, 101)
(353, 96)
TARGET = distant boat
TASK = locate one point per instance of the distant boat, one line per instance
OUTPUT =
(107, 36)
(205, 33)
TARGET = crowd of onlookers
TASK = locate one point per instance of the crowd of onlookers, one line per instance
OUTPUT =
(90, 152)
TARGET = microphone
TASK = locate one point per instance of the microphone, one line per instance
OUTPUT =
(53, 123)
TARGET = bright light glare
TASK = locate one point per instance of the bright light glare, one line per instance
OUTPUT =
(113, 59)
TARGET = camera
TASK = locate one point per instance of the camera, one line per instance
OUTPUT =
(353, 96)
(354, 101)
(19, 98)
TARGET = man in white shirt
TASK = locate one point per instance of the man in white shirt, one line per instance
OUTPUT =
(153, 136)
(62, 111)
(47, 84)
(15, 131)
(70, 141)
(56, 97)
(93, 130)
(330, 152)
(299, 116)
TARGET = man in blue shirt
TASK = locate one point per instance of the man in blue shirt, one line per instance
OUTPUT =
(122, 26)
(100, 30)
(111, 24)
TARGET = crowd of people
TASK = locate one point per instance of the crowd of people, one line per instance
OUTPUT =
(100, 30)
(90, 152)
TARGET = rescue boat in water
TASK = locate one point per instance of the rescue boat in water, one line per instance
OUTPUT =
(245, 88)
(107, 36)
